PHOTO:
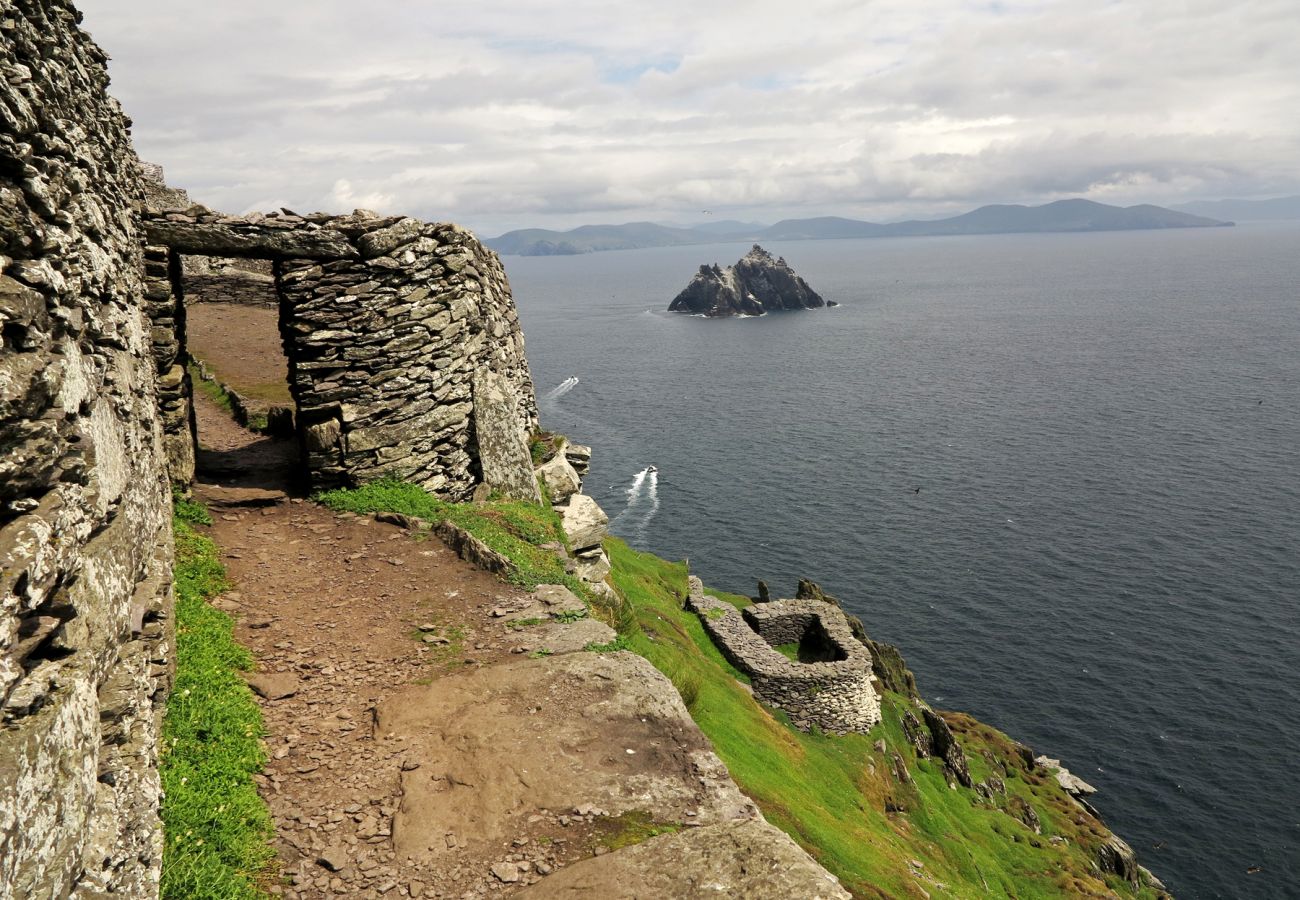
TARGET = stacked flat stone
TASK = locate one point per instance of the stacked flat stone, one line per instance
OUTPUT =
(85, 566)
(836, 696)
(386, 322)
(166, 310)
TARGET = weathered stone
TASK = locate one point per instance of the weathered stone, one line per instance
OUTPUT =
(560, 478)
(830, 687)
(593, 567)
(570, 637)
(85, 536)
(947, 748)
(502, 443)
(749, 859)
(244, 238)
(558, 600)
(272, 686)
(584, 522)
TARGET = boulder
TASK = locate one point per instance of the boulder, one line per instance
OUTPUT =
(593, 566)
(560, 478)
(584, 522)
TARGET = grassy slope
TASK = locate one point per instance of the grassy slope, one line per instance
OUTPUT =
(830, 792)
(516, 530)
(216, 828)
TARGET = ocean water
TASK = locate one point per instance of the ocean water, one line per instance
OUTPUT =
(1061, 472)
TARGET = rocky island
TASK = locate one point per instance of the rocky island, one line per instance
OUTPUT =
(755, 285)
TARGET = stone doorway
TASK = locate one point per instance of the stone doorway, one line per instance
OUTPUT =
(404, 354)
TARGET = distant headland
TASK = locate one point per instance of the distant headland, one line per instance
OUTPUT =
(1060, 216)
(758, 283)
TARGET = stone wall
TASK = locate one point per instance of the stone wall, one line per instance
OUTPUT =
(387, 323)
(166, 308)
(85, 567)
(837, 696)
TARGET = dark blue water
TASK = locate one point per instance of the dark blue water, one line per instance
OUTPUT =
(1104, 556)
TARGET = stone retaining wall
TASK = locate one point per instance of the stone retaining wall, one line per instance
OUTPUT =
(386, 321)
(85, 539)
(836, 696)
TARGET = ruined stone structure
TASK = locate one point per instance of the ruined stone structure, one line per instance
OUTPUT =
(405, 353)
(832, 690)
(85, 537)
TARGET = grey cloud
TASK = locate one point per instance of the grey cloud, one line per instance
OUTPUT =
(881, 109)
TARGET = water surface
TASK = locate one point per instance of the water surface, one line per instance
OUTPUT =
(1059, 471)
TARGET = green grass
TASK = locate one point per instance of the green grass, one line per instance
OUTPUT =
(216, 828)
(830, 793)
(212, 388)
(191, 512)
(512, 528)
(789, 651)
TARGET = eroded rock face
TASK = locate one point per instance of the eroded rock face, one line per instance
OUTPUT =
(755, 285)
(85, 564)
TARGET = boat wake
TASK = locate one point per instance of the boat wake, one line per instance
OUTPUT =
(642, 504)
(563, 388)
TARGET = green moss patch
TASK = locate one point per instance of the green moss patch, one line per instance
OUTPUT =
(217, 829)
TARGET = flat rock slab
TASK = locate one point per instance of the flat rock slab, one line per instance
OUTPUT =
(558, 600)
(272, 686)
(559, 637)
(749, 859)
(500, 744)
(216, 495)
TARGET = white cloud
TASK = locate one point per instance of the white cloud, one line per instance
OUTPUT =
(511, 113)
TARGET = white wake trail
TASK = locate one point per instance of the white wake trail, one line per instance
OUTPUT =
(635, 497)
(563, 388)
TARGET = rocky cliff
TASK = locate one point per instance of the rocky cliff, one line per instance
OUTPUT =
(85, 538)
(758, 283)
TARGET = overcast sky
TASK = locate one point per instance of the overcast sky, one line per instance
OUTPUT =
(508, 113)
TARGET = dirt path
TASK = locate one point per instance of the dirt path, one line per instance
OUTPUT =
(435, 732)
(332, 607)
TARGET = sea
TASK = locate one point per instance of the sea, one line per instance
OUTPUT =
(1060, 471)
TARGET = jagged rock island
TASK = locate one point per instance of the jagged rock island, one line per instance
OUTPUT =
(755, 285)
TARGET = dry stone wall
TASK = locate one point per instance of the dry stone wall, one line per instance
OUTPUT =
(387, 322)
(836, 695)
(85, 567)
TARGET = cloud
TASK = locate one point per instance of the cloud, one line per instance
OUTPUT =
(880, 109)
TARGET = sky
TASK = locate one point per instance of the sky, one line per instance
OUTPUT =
(501, 114)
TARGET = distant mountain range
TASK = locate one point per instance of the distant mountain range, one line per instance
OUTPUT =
(1245, 210)
(1063, 215)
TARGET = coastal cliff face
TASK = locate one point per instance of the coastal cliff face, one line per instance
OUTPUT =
(758, 283)
(85, 536)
